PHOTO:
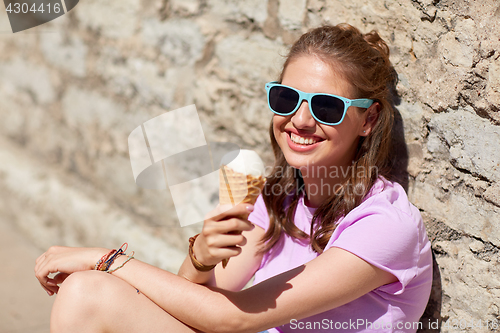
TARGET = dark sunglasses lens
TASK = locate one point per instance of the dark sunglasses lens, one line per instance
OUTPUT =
(327, 108)
(282, 99)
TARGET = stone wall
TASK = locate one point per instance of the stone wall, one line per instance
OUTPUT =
(72, 90)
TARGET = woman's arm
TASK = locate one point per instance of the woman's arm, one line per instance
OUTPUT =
(332, 279)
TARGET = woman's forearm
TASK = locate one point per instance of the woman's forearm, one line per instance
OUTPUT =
(196, 305)
(190, 273)
(334, 278)
(211, 309)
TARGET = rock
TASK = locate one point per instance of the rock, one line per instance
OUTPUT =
(472, 141)
(113, 19)
(69, 54)
(457, 208)
(35, 79)
(292, 14)
(412, 119)
(186, 7)
(240, 11)
(180, 40)
(493, 83)
(254, 59)
(476, 246)
(492, 194)
(88, 108)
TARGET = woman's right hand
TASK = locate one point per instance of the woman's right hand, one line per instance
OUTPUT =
(221, 236)
(64, 261)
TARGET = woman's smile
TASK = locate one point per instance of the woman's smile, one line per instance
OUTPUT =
(302, 142)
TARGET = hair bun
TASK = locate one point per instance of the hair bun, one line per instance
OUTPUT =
(374, 39)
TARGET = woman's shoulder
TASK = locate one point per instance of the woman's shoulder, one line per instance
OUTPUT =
(385, 206)
(387, 195)
(387, 231)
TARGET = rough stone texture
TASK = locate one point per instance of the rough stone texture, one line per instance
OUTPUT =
(72, 90)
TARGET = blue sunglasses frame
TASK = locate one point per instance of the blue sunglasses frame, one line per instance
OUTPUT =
(303, 96)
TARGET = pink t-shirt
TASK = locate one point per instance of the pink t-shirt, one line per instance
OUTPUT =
(385, 230)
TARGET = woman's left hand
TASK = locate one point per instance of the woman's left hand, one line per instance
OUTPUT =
(64, 261)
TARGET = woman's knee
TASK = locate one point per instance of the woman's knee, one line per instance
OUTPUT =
(85, 285)
(81, 296)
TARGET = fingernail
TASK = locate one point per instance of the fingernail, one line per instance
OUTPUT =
(250, 208)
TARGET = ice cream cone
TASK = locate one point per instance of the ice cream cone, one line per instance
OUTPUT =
(240, 180)
(235, 187)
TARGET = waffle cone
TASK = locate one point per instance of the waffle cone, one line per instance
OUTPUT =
(239, 187)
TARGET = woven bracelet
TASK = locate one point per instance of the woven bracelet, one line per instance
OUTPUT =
(107, 260)
(101, 261)
(198, 265)
(130, 257)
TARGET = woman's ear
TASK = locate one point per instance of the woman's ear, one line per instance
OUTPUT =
(371, 117)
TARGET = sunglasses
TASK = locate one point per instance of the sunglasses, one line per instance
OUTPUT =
(325, 108)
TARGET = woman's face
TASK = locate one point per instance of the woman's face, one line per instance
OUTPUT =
(326, 146)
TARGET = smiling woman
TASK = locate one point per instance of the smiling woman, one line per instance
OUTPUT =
(345, 249)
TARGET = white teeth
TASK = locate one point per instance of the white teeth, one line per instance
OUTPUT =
(301, 140)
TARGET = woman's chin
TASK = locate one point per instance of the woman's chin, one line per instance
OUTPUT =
(299, 162)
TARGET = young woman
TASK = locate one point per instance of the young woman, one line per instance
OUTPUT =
(332, 242)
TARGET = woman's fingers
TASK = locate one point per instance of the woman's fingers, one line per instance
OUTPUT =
(229, 226)
(221, 237)
(223, 241)
(42, 274)
(226, 252)
(226, 211)
(212, 249)
(48, 291)
(45, 282)
(59, 278)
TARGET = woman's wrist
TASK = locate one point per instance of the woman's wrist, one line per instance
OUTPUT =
(189, 272)
(111, 260)
(194, 252)
(99, 253)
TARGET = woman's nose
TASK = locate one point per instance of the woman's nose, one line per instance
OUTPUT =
(302, 118)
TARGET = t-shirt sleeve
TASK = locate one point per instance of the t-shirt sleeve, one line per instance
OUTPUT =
(384, 236)
(259, 216)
